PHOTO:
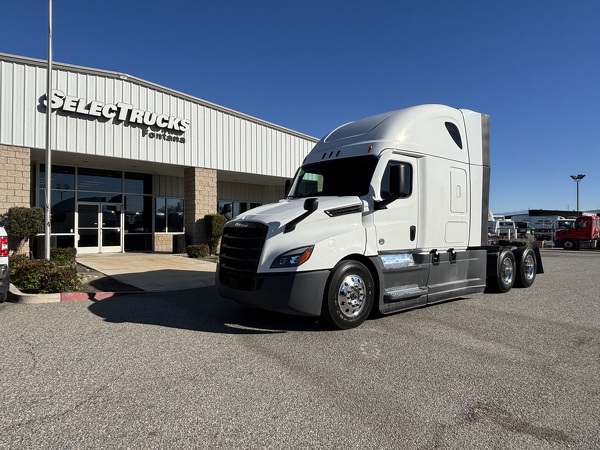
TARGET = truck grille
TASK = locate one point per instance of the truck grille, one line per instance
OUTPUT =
(241, 247)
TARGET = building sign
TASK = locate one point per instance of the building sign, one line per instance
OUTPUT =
(123, 112)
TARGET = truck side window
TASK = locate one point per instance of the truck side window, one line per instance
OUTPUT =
(385, 181)
(454, 133)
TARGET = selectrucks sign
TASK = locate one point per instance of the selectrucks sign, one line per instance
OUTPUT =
(122, 112)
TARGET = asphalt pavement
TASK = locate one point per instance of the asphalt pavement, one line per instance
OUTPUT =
(187, 369)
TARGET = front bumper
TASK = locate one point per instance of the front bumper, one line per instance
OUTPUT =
(299, 293)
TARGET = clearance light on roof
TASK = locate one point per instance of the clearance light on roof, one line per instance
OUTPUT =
(330, 154)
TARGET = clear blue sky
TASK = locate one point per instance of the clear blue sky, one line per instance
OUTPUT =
(533, 65)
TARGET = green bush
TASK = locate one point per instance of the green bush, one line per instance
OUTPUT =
(42, 276)
(63, 256)
(198, 250)
(23, 223)
(214, 224)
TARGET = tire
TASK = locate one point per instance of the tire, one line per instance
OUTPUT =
(526, 268)
(569, 244)
(350, 295)
(3, 296)
(505, 272)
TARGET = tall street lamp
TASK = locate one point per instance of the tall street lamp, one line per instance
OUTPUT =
(577, 179)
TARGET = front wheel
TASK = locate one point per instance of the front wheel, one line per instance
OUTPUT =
(569, 244)
(350, 295)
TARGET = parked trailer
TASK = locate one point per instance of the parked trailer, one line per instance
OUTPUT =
(386, 213)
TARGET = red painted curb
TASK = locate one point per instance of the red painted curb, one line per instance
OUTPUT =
(75, 296)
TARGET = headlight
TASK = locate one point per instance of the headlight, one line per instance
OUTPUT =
(293, 258)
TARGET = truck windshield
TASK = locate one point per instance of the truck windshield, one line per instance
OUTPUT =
(346, 176)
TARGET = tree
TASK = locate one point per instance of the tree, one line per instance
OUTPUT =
(23, 223)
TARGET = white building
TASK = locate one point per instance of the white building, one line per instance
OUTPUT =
(135, 166)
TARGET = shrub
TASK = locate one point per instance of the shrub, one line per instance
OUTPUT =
(63, 256)
(214, 224)
(23, 223)
(42, 276)
(198, 250)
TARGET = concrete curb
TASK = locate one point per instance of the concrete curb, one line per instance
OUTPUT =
(16, 296)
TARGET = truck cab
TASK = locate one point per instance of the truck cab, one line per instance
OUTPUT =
(583, 233)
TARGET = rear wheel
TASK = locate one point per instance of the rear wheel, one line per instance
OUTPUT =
(527, 268)
(350, 295)
(505, 277)
(569, 244)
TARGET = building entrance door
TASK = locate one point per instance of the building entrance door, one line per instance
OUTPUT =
(99, 227)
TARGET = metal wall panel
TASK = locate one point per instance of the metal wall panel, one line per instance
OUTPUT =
(244, 192)
(218, 138)
(168, 186)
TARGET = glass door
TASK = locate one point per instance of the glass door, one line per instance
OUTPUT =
(99, 228)
(111, 237)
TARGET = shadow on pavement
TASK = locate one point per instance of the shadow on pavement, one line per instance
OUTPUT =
(200, 309)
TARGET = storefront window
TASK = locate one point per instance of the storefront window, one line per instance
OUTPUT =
(138, 214)
(99, 197)
(237, 208)
(169, 215)
(62, 177)
(63, 212)
(97, 180)
(137, 183)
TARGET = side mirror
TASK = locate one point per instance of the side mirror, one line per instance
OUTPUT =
(311, 204)
(288, 185)
(399, 175)
(400, 185)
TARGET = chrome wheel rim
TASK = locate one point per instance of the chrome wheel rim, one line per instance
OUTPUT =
(351, 296)
(506, 271)
(529, 267)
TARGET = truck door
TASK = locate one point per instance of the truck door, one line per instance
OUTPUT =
(404, 270)
(396, 222)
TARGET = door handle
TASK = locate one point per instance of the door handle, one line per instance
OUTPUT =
(413, 232)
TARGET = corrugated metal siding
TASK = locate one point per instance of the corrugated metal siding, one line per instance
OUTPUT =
(167, 186)
(243, 192)
(216, 139)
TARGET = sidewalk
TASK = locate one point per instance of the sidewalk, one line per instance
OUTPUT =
(153, 271)
(146, 271)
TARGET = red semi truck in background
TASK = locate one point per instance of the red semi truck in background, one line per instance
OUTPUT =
(584, 233)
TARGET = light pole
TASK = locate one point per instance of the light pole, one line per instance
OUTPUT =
(577, 179)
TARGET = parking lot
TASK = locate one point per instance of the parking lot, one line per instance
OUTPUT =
(188, 369)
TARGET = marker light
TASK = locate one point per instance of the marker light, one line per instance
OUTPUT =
(293, 258)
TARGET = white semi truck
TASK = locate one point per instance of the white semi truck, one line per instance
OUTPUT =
(386, 213)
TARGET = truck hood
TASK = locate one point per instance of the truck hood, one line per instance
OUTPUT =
(283, 212)
(335, 229)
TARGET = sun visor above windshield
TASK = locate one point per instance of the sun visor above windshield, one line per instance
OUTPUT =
(357, 128)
